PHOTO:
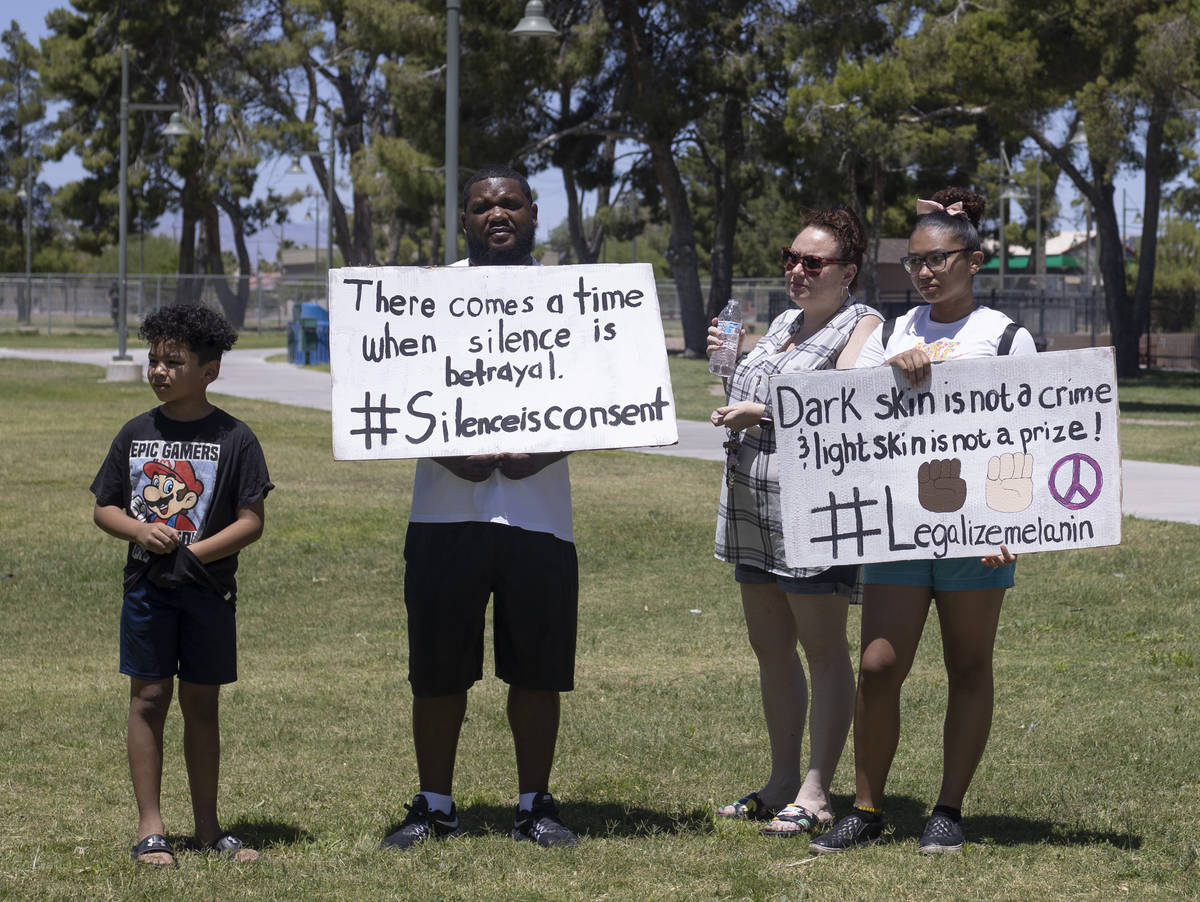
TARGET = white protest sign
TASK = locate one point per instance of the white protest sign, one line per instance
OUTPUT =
(1020, 451)
(432, 362)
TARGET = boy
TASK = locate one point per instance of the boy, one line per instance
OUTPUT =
(184, 484)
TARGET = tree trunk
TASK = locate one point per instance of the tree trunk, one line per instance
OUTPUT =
(439, 236)
(1148, 252)
(681, 252)
(235, 312)
(870, 270)
(729, 205)
(233, 303)
(395, 235)
(24, 305)
(1121, 321)
(188, 289)
(358, 249)
(579, 244)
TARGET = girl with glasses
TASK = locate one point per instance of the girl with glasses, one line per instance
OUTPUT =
(943, 257)
(789, 605)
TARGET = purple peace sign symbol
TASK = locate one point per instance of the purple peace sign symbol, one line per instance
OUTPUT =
(1077, 495)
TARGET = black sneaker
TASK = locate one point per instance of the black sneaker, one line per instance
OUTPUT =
(852, 830)
(421, 824)
(542, 825)
(942, 834)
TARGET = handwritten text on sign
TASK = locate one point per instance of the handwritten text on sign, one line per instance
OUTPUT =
(481, 360)
(1020, 451)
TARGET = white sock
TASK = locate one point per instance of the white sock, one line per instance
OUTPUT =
(439, 801)
(525, 801)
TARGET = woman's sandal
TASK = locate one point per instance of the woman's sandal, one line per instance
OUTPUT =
(749, 807)
(793, 820)
(154, 844)
(229, 846)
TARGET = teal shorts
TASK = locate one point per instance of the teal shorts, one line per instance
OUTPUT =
(949, 574)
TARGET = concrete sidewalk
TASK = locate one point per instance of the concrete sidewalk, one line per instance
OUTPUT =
(1151, 490)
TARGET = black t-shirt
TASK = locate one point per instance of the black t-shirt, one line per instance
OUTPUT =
(193, 476)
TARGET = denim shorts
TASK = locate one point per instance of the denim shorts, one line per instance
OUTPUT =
(188, 630)
(950, 574)
(839, 580)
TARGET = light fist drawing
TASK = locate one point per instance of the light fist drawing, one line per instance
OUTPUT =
(1010, 482)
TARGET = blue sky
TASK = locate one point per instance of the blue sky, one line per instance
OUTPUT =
(552, 205)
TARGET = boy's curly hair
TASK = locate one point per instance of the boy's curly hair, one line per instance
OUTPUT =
(200, 329)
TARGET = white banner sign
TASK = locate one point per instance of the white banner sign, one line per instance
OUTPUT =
(1020, 451)
(489, 359)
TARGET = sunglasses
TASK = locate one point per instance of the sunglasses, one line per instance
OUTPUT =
(789, 258)
(935, 261)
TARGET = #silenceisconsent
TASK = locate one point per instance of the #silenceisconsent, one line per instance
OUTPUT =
(553, 417)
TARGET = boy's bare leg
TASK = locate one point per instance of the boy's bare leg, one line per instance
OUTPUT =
(202, 752)
(200, 705)
(148, 704)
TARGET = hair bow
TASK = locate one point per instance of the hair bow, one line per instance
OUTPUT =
(925, 207)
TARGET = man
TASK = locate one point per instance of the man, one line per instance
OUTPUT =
(494, 525)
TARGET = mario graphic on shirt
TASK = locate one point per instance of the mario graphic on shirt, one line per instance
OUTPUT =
(173, 490)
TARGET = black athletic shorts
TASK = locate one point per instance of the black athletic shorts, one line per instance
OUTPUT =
(451, 569)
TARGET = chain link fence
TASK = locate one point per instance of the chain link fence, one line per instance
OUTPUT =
(1059, 312)
(82, 301)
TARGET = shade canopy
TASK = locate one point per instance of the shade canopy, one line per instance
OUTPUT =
(1054, 263)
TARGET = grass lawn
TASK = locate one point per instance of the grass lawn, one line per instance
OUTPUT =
(1087, 791)
(1161, 417)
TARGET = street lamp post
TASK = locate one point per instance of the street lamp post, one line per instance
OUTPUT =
(1040, 258)
(329, 191)
(26, 194)
(174, 129)
(533, 24)
(1012, 192)
(1137, 217)
(451, 155)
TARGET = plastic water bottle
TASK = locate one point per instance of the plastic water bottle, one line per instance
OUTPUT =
(729, 323)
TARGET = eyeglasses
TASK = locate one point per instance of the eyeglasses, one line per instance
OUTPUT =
(936, 261)
(789, 258)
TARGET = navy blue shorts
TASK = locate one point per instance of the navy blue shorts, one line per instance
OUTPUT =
(188, 631)
(451, 569)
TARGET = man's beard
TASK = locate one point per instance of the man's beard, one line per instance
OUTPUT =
(515, 254)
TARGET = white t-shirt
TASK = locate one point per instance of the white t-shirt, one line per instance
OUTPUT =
(539, 503)
(975, 335)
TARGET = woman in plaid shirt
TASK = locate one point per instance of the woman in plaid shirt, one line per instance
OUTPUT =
(789, 605)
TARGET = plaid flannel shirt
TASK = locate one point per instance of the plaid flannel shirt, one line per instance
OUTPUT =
(749, 520)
